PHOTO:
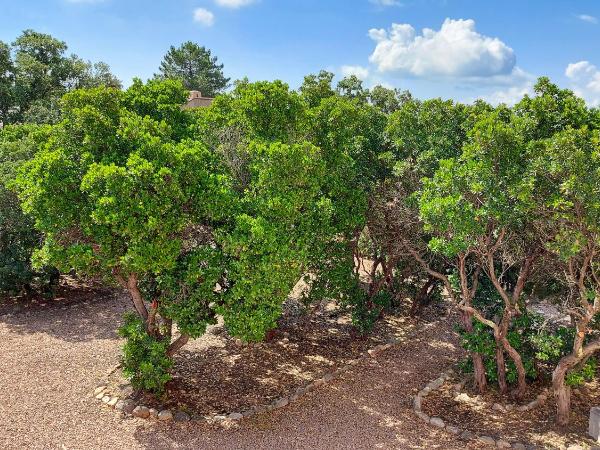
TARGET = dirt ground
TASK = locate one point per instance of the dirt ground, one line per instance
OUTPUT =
(218, 374)
(53, 355)
(536, 426)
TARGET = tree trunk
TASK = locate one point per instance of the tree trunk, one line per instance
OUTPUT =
(521, 374)
(177, 344)
(501, 367)
(562, 392)
(136, 297)
(477, 358)
(422, 296)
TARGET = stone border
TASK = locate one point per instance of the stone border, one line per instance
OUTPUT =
(129, 407)
(467, 435)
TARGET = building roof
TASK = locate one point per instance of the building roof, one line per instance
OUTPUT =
(195, 100)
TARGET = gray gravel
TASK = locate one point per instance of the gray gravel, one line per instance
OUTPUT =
(52, 359)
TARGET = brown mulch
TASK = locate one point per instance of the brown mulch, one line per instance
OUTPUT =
(218, 374)
(536, 427)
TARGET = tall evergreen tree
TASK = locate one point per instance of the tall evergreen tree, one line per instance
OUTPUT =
(195, 67)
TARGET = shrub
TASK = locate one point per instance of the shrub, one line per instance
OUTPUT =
(145, 362)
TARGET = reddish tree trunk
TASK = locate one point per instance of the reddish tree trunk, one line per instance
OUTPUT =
(177, 344)
(477, 358)
(422, 296)
(521, 374)
(501, 367)
(562, 392)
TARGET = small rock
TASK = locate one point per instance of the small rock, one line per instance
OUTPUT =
(300, 391)
(141, 411)
(248, 412)
(180, 416)
(127, 391)
(120, 405)
(437, 422)
(498, 407)
(317, 383)
(280, 403)
(532, 404)
(220, 417)
(235, 416)
(519, 446)
(113, 401)
(510, 407)
(523, 408)
(327, 377)
(165, 415)
(260, 409)
(100, 395)
(462, 398)
(106, 399)
(99, 389)
(417, 403)
(423, 416)
(128, 406)
(487, 440)
(575, 447)
(372, 352)
(425, 392)
(501, 443)
(467, 435)
(435, 384)
(452, 429)
(153, 413)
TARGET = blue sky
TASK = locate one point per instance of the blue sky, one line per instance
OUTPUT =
(469, 49)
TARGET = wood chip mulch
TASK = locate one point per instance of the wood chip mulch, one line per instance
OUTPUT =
(217, 374)
(536, 426)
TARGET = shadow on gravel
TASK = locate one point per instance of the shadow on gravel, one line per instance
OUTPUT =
(90, 315)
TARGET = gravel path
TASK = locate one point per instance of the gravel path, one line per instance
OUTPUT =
(52, 358)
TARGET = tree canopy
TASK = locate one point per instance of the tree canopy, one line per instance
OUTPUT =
(195, 67)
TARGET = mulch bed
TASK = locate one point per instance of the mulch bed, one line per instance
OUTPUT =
(536, 426)
(217, 374)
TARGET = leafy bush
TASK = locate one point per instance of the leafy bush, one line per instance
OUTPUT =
(144, 360)
(18, 237)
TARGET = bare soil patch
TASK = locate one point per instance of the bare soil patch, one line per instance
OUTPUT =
(536, 426)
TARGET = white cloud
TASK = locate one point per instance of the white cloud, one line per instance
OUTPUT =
(386, 2)
(358, 71)
(585, 79)
(587, 18)
(204, 17)
(234, 4)
(509, 96)
(457, 50)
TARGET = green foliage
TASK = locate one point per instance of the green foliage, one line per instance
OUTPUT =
(195, 67)
(32, 82)
(586, 373)
(317, 87)
(144, 361)
(18, 239)
(481, 341)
